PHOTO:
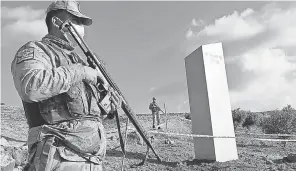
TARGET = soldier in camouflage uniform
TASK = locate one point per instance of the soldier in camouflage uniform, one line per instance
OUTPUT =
(155, 112)
(57, 90)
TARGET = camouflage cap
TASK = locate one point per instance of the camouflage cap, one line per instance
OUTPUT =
(72, 7)
(153, 98)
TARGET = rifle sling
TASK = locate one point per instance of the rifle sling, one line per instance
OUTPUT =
(119, 132)
(117, 122)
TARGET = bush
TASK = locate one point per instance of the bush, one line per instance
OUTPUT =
(288, 108)
(236, 117)
(244, 118)
(280, 122)
(250, 120)
(187, 116)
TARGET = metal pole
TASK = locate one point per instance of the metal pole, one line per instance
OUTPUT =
(166, 119)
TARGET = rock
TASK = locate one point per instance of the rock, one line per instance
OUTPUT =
(4, 142)
(291, 157)
(19, 156)
(19, 168)
(134, 137)
(272, 169)
(2, 150)
(269, 161)
(17, 144)
(7, 163)
(274, 157)
(168, 141)
(24, 148)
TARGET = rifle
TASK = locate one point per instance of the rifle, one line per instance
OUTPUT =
(95, 62)
(159, 108)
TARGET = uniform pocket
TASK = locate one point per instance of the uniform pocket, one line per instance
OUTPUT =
(84, 138)
(46, 157)
(54, 109)
(77, 101)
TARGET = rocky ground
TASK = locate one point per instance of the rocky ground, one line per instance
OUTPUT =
(179, 155)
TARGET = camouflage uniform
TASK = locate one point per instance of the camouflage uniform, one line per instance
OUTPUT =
(65, 129)
(155, 112)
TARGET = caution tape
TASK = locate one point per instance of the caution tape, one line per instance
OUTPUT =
(210, 136)
(277, 135)
(282, 136)
(278, 140)
(190, 135)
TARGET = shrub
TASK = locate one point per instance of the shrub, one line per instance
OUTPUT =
(236, 117)
(288, 108)
(243, 118)
(187, 116)
(250, 120)
(280, 122)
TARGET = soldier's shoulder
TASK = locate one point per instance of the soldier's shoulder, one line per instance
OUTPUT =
(29, 44)
(28, 51)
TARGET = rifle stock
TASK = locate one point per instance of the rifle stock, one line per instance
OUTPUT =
(97, 63)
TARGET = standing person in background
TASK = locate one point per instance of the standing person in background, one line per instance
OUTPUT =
(155, 112)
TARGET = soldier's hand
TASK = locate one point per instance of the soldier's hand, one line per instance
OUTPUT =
(93, 76)
(116, 100)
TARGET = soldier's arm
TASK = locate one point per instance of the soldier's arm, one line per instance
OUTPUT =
(36, 80)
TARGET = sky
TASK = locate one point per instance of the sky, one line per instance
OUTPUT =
(144, 45)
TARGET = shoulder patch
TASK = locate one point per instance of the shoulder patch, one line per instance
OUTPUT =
(25, 54)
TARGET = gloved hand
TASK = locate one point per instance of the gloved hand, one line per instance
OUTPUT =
(93, 76)
(116, 100)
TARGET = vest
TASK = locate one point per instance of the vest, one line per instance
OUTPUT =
(153, 107)
(77, 102)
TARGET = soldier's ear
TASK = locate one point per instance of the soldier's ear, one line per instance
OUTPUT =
(54, 21)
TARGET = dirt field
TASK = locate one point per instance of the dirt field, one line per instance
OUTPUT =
(253, 155)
